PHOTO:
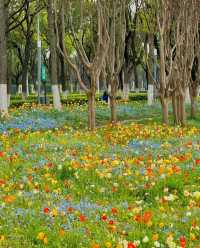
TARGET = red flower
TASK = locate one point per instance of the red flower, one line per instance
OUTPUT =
(197, 161)
(111, 222)
(131, 245)
(82, 218)
(50, 165)
(46, 210)
(182, 242)
(138, 218)
(104, 217)
(2, 182)
(1, 154)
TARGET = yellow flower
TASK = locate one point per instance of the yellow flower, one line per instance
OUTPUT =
(196, 195)
(192, 236)
(119, 246)
(41, 236)
(45, 241)
(54, 212)
(2, 237)
(108, 244)
(161, 225)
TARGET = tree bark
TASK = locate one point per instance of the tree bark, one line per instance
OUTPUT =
(193, 96)
(91, 110)
(165, 111)
(113, 108)
(53, 58)
(25, 66)
(3, 60)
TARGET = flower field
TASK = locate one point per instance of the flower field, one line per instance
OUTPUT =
(124, 186)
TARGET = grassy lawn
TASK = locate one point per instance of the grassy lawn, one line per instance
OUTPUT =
(136, 184)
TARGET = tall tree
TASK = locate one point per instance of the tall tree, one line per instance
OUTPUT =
(93, 65)
(115, 56)
(53, 57)
(3, 59)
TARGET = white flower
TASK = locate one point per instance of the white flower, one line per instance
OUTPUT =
(145, 239)
(157, 244)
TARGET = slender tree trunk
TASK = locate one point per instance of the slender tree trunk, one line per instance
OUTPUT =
(150, 70)
(25, 67)
(113, 104)
(193, 96)
(63, 74)
(136, 77)
(165, 111)
(175, 111)
(182, 110)
(125, 85)
(53, 58)
(193, 107)
(3, 60)
(91, 110)
(113, 108)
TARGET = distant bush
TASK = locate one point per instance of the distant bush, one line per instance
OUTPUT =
(17, 100)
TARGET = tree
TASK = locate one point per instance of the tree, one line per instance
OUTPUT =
(53, 52)
(94, 65)
(3, 59)
(186, 35)
(115, 56)
(133, 44)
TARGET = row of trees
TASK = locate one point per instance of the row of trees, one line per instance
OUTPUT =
(110, 39)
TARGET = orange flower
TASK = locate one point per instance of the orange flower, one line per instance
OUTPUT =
(9, 198)
(114, 211)
(62, 232)
(147, 217)
(70, 210)
(96, 246)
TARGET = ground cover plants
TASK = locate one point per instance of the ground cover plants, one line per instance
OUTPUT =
(128, 185)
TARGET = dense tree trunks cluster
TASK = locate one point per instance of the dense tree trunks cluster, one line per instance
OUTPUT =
(178, 27)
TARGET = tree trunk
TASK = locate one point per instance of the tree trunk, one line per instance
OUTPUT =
(182, 111)
(193, 96)
(3, 61)
(113, 108)
(175, 111)
(165, 111)
(25, 67)
(193, 107)
(91, 110)
(125, 86)
(136, 77)
(63, 74)
(150, 70)
(53, 58)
